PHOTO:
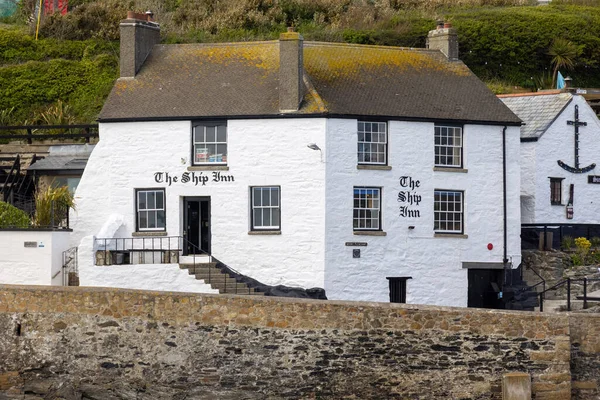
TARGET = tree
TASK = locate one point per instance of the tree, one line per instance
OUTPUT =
(564, 53)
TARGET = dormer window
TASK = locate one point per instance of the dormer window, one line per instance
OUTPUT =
(209, 143)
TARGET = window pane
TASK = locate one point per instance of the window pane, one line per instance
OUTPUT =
(143, 219)
(276, 212)
(221, 133)
(142, 200)
(275, 197)
(151, 200)
(210, 134)
(212, 150)
(266, 217)
(222, 150)
(256, 196)
(266, 197)
(199, 134)
(151, 219)
(257, 217)
(160, 204)
(160, 219)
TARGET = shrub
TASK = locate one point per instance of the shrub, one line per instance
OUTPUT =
(595, 241)
(582, 244)
(52, 206)
(567, 242)
(12, 217)
(576, 260)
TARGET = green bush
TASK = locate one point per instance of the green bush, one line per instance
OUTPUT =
(33, 86)
(12, 217)
(512, 43)
(567, 242)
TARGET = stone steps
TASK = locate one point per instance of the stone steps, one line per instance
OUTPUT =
(217, 279)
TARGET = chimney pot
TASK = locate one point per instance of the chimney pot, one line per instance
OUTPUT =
(149, 15)
(440, 24)
(130, 15)
(568, 82)
(445, 40)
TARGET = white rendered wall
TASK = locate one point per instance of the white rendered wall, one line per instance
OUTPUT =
(20, 265)
(557, 143)
(434, 263)
(260, 153)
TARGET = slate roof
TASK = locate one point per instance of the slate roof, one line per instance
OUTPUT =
(537, 110)
(62, 163)
(241, 80)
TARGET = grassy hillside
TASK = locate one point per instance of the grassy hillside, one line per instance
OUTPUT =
(505, 42)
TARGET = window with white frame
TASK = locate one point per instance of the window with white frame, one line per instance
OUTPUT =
(372, 143)
(367, 208)
(448, 146)
(266, 208)
(448, 211)
(209, 143)
(150, 209)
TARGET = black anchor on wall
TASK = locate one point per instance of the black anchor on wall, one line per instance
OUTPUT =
(576, 169)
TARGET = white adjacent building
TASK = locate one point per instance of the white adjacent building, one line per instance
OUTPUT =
(560, 161)
(375, 173)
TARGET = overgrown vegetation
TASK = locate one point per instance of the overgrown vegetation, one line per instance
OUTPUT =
(12, 217)
(36, 75)
(507, 43)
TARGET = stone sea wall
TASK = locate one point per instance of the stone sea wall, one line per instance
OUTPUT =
(107, 343)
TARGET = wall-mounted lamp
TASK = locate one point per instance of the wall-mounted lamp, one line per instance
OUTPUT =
(313, 146)
(411, 227)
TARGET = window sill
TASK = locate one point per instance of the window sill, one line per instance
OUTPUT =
(374, 167)
(208, 168)
(150, 233)
(451, 169)
(264, 232)
(370, 233)
(451, 235)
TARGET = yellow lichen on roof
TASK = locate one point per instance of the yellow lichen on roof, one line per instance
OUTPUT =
(263, 56)
(330, 62)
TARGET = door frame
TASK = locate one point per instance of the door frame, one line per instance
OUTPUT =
(184, 233)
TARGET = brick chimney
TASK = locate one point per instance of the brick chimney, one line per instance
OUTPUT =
(445, 39)
(139, 33)
(291, 85)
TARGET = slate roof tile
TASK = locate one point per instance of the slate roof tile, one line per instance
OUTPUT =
(241, 79)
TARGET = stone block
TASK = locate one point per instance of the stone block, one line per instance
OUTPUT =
(585, 385)
(8, 379)
(516, 386)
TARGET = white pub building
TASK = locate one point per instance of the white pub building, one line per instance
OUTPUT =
(374, 173)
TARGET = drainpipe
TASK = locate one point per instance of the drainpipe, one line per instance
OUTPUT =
(505, 259)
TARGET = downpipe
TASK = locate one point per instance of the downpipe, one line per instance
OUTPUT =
(505, 229)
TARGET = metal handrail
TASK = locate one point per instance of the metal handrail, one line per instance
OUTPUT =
(543, 282)
(568, 281)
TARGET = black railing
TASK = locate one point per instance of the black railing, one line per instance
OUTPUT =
(119, 250)
(12, 177)
(567, 282)
(32, 132)
(531, 234)
(542, 282)
(69, 267)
